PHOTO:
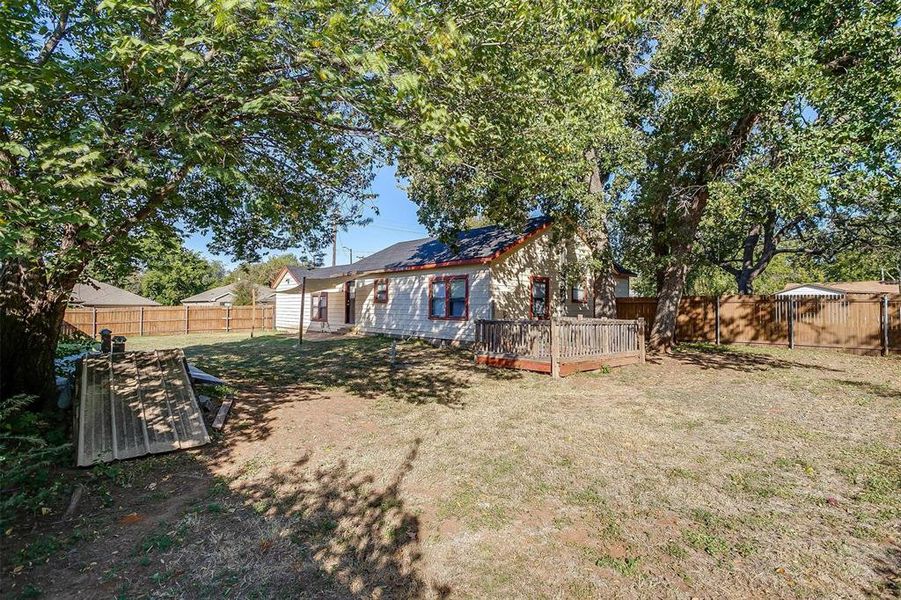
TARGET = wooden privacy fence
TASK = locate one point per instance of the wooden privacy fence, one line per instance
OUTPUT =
(863, 323)
(559, 346)
(163, 320)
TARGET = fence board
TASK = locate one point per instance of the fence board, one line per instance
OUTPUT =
(167, 320)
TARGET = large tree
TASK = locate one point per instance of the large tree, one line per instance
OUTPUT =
(534, 121)
(179, 274)
(720, 88)
(128, 118)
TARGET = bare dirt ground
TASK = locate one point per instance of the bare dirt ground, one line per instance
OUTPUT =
(716, 472)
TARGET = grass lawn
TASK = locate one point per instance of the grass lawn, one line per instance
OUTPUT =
(716, 472)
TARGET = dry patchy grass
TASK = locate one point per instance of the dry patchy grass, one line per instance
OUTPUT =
(716, 472)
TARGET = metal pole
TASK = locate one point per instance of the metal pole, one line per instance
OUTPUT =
(253, 308)
(791, 322)
(303, 292)
(717, 321)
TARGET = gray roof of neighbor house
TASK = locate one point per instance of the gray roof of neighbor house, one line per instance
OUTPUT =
(473, 246)
(851, 287)
(264, 294)
(97, 293)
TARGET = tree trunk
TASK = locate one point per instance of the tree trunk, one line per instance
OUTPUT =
(605, 294)
(31, 314)
(745, 282)
(663, 332)
(673, 270)
(604, 285)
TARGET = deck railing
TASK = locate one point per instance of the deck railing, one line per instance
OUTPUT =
(560, 340)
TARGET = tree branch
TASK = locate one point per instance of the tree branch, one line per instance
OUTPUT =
(55, 38)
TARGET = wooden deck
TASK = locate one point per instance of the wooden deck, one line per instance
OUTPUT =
(136, 403)
(560, 347)
(507, 361)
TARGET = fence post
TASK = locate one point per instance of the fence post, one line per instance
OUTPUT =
(641, 348)
(717, 325)
(186, 319)
(142, 321)
(884, 318)
(228, 318)
(791, 323)
(94, 327)
(555, 350)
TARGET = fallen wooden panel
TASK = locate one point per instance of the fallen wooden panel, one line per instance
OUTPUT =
(226, 406)
(136, 403)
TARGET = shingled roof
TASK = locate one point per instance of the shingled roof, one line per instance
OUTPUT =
(473, 246)
(97, 293)
(264, 294)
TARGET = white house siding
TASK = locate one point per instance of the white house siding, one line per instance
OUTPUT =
(407, 310)
(511, 277)
(287, 308)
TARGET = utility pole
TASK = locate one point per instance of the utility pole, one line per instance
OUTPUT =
(351, 252)
(334, 240)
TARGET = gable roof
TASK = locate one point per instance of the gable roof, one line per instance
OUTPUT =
(97, 293)
(473, 246)
(214, 294)
(850, 287)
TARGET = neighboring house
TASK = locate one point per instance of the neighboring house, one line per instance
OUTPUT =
(424, 288)
(103, 295)
(225, 296)
(836, 289)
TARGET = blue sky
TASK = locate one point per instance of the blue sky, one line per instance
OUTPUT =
(395, 222)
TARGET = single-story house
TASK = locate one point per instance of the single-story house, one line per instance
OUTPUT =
(425, 288)
(97, 294)
(841, 288)
(224, 295)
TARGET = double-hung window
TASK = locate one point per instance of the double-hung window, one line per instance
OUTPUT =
(449, 297)
(320, 307)
(578, 294)
(381, 291)
(539, 297)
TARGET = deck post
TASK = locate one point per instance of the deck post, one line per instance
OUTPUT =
(555, 349)
(478, 340)
(641, 348)
(883, 313)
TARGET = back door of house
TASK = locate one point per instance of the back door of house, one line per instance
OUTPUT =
(349, 302)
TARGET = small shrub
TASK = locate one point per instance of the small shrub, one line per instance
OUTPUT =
(75, 344)
(29, 446)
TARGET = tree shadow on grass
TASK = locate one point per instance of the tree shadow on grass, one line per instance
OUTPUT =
(889, 570)
(358, 365)
(879, 390)
(361, 536)
(268, 372)
(300, 531)
(708, 356)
